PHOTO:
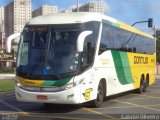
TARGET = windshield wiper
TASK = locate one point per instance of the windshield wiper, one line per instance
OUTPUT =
(46, 51)
(31, 69)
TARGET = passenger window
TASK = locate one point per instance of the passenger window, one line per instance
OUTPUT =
(114, 38)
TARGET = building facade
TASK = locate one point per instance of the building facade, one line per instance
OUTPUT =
(1, 18)
(2, 33)
(91, 7)
(16, 14)
(44, 10)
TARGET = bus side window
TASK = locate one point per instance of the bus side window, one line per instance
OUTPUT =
(134, 49)
(104, 43)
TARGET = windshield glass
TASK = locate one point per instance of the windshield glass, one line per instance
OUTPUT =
(48, 50)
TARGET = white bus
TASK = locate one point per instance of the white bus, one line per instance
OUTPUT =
(72, 58)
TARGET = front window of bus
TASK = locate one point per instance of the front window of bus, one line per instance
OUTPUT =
(47, 51)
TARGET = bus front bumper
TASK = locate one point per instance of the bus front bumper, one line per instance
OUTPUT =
(69, 96)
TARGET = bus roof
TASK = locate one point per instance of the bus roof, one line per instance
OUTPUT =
(66, 18)
(80, 17)
(119, 24)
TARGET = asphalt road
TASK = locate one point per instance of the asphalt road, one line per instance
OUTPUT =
(128, 105)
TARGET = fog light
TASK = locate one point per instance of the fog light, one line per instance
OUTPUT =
(70, 96)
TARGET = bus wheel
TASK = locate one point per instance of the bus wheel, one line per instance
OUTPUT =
(142, 87)
(100, 96)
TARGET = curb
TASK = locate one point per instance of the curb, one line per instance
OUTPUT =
(7, 76)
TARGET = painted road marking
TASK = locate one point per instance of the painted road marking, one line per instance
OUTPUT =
(11, 106)
(42, 115)
(137, 105)
(152, 105)
(150, 96)
(155, 90)
(156, 86)
(147, 96)
(126, 107)
(136, 98)
(139, 98)
(99, 113)
(115, 107)
(54, 116)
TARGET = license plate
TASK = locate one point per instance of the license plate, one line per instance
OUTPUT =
(42, 97)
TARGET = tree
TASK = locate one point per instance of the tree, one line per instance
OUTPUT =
(158, 49)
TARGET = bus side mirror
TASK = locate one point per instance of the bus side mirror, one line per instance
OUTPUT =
(81, 39)
(9, 41)
(150, 22)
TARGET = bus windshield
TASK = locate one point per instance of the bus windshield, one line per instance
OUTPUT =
(48, 50)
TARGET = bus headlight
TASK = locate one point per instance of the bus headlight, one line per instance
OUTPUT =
(18, 84)
(73, 84)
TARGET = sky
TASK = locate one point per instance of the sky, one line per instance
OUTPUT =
(128, 11)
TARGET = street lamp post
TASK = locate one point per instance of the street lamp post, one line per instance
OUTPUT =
(150, 24)
(149, 21)
(77, 5)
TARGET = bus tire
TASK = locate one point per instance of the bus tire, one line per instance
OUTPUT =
(141, 87)
(144, 86)
(100, 96)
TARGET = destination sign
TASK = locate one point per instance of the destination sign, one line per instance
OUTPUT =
(5, 56)
(37, 29)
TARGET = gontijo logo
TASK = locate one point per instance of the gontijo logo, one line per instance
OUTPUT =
(87, 93)
(29, 82)
(140, 60)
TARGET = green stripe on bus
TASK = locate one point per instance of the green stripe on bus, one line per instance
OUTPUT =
(119, 67)
(126, 67)
(122, 67)
(57, 83)
(110, 23)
